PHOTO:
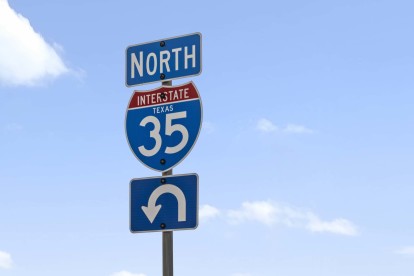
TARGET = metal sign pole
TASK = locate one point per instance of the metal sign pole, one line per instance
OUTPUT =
(167, 247)
(167, 236)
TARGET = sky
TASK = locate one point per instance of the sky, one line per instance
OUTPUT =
(305, 157)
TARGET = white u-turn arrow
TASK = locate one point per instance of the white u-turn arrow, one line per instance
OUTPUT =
(152, 211)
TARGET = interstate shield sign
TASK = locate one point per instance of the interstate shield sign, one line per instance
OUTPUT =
(162, 125)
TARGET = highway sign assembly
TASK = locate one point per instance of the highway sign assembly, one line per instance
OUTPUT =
(162, 125)
(164, 203)
(163, 60)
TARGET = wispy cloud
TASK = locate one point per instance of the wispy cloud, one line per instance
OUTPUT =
(12, 128)
(259, 211)
(25, 57)
(337, 226)
(5, 260)
(208, 127)
(126, 273)
(266, 126)
(406, 250)
(271, 214)
(298, 129)
(208, 212)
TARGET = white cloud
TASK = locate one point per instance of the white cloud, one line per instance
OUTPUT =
(208, 127)
(13, 127)
(5, 260)
(407, 250)
(266, 126)
(338, 226)
(208, 212)
(270, 213)
(260, 211)
(298, 129)
(126, 273)
(25, 57)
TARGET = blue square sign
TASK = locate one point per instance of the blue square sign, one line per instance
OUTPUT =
(164, 203)
(163, 60)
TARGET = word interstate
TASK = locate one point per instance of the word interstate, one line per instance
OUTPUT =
(162, 97)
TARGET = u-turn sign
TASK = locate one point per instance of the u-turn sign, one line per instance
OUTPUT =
(162, 60)
(164, 203)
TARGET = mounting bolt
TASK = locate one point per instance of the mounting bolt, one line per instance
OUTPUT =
(162, 43)
(162, 225)
(163, 180)
(162, 76)
(163, 96)
(162, 161)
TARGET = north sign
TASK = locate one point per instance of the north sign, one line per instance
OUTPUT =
(162, 125)
(164, 59)
(164, 203)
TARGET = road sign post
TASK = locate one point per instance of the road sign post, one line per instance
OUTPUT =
(162, 126)
(167, 236)
(167, 245)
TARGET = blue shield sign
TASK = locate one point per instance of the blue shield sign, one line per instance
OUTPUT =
(164, 203)
(163, 60)
(162, 125)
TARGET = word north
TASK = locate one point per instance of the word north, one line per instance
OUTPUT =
(151, 63)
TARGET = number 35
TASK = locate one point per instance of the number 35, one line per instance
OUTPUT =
(169, 130)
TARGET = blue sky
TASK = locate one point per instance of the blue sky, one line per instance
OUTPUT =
(305, 158)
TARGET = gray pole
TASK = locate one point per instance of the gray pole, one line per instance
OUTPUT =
(167, 236)
(167, 247)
